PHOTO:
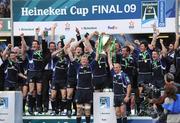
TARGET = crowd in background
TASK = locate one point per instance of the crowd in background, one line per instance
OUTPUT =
(5, 9)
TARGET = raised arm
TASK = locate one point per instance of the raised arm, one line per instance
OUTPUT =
(155, 36)
(6, 51)
(176, 44)
(164, 50)
(96, 33)
(53, 29)
(56, 52)
(23, 46)
(78, 36)
(37, 30)
(109, 59)
(123, 36)
(75, 44)
(66, 49)
(44, 44)
(97, 54)
(67, 46)
(70, 54)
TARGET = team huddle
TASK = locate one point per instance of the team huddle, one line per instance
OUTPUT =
(70, 72)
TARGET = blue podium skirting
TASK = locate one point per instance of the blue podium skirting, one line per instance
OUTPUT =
(64, 119)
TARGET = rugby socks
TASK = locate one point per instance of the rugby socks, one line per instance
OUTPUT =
(24, 103)
(124, 120)
(69, 104)
(69, 110)
(78, 120)
(74, 107)
(30, 103)
(39, 102)
(34, 102)
(60, 105)
(63, 104)
(88, 119)
(53, 104)
(128, 107)
(119, 120)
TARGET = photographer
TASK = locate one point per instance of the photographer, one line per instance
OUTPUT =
(167, 97)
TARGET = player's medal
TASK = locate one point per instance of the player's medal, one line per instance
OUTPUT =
(99, 62)
(126, 62)
(155, 63)
(144, 57)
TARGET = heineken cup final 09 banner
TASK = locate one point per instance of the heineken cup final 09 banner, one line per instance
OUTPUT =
(110, 16)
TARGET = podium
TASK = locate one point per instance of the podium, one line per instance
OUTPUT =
(11, 107)
(104, 111)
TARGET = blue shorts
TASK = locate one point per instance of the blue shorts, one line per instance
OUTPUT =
(71, 82)
(119, 100)
(34, 76)
(83, 96)
(59, 84)
(144, 79)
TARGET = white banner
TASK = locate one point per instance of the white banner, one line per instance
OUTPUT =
(10, 107)
(109, 26)
(110, 16)
(104, 111)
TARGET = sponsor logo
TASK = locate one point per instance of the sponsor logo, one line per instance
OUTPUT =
(131, 25)
(104, 102)
(112, 27)
(26, 29)
(3, 102)
(89, 28)
(67, 27)
(149, 13)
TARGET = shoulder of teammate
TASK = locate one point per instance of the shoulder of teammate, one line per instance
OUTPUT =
(29, 51)
(93, 63)
(112, 72)
(76, 65)
(5, 63)
(163, 63)
(93, 54)
(149, 51)
(126, 79)
(18, 67)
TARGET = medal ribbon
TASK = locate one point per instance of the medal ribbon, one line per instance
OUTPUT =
(144, 55)
(100, 45)
(38, 53)
(155, 63)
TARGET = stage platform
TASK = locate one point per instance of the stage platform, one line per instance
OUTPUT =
(64, 119)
